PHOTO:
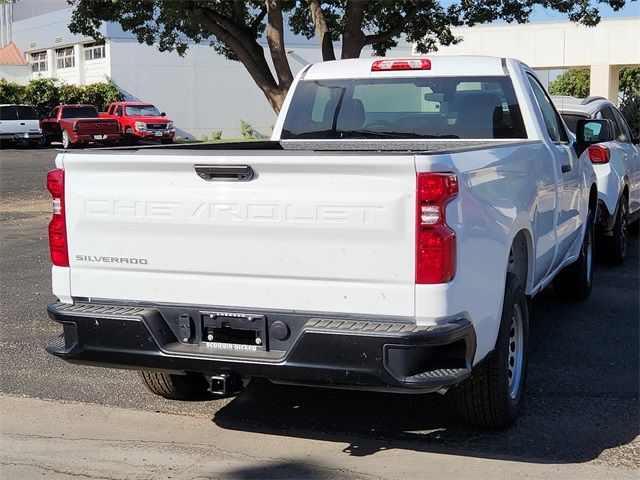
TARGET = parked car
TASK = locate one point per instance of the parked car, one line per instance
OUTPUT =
(617, 165)
(19, 124)
(141, 121)
(388, 238)
(75, 125)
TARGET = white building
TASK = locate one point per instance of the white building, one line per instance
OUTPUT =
(604, 49)
(203, 92)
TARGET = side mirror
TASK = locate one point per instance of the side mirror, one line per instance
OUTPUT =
(589, 132)
(163, 114)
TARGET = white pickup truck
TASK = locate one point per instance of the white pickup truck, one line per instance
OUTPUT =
(388, 238)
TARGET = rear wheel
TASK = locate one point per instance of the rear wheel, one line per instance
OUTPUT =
(617, 244)
(492, 397)
(175, 387)
(66, 140)
(576, 280)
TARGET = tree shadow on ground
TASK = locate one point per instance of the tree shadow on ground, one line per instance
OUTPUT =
(582, 392)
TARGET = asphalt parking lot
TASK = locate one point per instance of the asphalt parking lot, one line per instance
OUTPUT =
(583, 385)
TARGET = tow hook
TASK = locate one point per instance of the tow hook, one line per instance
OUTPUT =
(224, 384)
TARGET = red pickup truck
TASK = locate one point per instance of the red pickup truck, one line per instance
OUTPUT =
(141, 121)
(79, 124)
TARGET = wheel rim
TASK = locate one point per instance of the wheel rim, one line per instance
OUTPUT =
(515, 354)
(65, 140)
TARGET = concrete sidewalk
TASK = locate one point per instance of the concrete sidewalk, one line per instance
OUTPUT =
(55, 440)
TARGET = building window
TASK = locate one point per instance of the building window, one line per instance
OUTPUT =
(39, 62)
(65, 58)
(93, 51)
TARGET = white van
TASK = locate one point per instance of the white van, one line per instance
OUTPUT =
(20, 123)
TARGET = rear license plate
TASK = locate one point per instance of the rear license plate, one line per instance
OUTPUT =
(234, 332)
(158, 134)
(99, 137)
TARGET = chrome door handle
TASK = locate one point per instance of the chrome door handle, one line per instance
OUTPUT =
(225, 173)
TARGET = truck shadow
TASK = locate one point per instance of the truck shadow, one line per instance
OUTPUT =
(582, 392)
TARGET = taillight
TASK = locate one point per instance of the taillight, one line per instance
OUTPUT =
(598, 154)
(57, 226)
(409, 64)
(435, 241)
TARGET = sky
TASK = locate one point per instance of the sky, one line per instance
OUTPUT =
(631, 9)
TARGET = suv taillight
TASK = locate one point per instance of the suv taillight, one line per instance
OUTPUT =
(57, 226)
(598, 154)
(435, 241)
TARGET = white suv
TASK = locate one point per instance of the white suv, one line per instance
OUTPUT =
(20, 123)
(617, 165)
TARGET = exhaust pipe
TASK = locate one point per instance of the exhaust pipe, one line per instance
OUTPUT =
(225, 385)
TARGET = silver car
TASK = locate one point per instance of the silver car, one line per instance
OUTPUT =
(617, 165)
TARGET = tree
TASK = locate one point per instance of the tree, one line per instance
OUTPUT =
(235, 28)
(576, 81)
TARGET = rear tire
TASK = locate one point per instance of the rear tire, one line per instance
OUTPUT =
(175, 387)
(575, 281)
(617, 244)
(166, 141)
(492, 397)
(66, 140)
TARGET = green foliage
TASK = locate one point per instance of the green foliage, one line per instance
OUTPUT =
(629, 81)
(630, 108)
(215, 136)
(247, 132)
(10, 92)
(573, 82)
(45, 93)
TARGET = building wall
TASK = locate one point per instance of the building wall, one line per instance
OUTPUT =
(202, 92)
(604, 48)
(15, 73)
(554, 45)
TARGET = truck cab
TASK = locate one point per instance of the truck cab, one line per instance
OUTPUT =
(141, 121)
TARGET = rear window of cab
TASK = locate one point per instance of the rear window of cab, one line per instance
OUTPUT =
(434, 107)
(18, 112)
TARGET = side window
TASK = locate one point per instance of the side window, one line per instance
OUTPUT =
(626, 135)
(551, 118)
(607, 113)
(118, 111)
(54, 113)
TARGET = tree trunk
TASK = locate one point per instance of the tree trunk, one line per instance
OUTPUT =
(352, 38)
(276, 97)
(322, 31)
(251, 55)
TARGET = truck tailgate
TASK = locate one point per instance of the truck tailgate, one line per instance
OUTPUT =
(88, 126)
(313, 232)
